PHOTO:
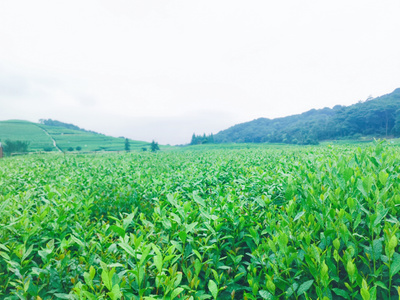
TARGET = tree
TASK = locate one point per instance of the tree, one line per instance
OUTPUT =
(127, 145)
(79, 148)
(396, 127)
(194, 140)
(154, 146)
(202, 139)
(15, 146)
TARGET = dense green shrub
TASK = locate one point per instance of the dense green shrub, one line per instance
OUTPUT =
(283, 223)
(15, 146)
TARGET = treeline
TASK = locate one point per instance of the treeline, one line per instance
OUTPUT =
(202, 139)
(10, 147)
(50, 122)
(378, 117)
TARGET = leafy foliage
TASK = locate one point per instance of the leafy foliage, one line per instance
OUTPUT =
(289, 223)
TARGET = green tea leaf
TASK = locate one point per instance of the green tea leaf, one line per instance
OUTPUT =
(381, 285)
(395, 266)
(381, 214)
(212, 286)
(115, 293)
(78, 241)
(87, 278)
(341, 293)
(4, 248)
(383, 176)
(128, 220)
(178, 279)
(199, 200)
(197, 254)
(367, 183)
(128, 249)
(89, 295)
(291, 289)
(118, 230)
(64, 296)
(145, 253)
(348, 172)
(190, 227)
(393, 242)
(336, 244)
(304, 287)
(364, 294)
(107, 280)
(27, 252)
(158, 261)
(266, 295)
(374, 161)
(176, 292)
(360, 187)
(377, 248)
(298, 216)
(260, 201)
(183, 236)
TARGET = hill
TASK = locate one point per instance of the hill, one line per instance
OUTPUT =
(56, 123)
(378, 117)
(43, 137)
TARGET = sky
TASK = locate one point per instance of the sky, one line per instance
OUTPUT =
(162, 70)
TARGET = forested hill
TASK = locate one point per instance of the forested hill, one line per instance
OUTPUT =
(377, 117)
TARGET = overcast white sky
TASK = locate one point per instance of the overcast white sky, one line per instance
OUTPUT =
(160, 69)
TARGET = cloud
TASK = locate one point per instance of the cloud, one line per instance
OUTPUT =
(163, 70)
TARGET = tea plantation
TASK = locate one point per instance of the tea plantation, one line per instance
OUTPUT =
(280, 223)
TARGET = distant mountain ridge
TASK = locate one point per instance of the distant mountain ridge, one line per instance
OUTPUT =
(378, 117)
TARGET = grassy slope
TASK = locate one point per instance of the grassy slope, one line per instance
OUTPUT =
(65, 138)
(25, 131)
(88, 141)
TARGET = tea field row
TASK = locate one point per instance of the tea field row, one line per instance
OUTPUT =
(281, 223)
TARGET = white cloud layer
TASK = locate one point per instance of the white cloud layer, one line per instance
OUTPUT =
(165, 69)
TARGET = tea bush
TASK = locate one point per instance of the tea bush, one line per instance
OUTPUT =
(291, 223)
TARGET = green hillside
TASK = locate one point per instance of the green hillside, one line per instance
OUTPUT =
(25, 131)
(378, 117)
(40, 138)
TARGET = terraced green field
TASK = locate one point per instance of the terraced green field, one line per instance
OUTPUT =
(88, 141)
(40, 138)
(280, 223)
(25, 131)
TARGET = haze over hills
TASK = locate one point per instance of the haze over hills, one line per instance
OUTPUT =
(377, 117)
